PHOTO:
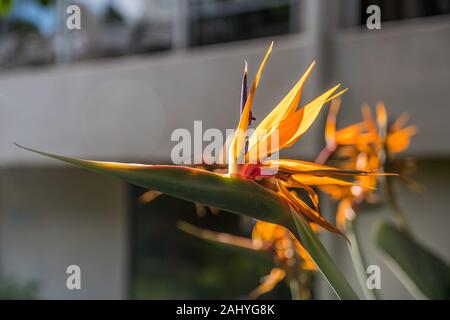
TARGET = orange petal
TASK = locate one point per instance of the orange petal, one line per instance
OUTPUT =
(337, 95)
(309, 114)
(381, 116)
(302, 208)
(238, 143)
(307, 261)
(343, 211)
(294, 183)
(299, 166)
(267, 232)
(200, 209)
(368, 120)
(291, 128)
(318, 181)
(330, 127)
(219, 237)
(400, 139)
(349, 134)
(214, 210)
(149, 196)
(282, 110)
(336, 192)
(268, 282)
(399, 122)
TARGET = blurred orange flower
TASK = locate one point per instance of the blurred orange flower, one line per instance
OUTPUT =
(365, 145)
(289, 256)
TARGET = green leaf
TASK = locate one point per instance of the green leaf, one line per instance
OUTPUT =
(233, 194)
(228, 193)
(421, 271)
(323, 261)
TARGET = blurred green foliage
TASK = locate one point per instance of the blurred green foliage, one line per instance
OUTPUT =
(11, 289)
(423, 272)
(5, 6)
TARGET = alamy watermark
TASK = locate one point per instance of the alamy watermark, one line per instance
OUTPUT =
(373, 21)
(73, 281)
(213, 146)
(374, 277)
(73, 20)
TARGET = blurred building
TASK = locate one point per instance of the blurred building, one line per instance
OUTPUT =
(137, 70)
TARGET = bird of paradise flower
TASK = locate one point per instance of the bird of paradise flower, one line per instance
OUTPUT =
(368, 145)
(243, 189)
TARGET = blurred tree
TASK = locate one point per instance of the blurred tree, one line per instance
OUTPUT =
(11, 289)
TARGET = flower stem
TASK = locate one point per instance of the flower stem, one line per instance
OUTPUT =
(399, 216)
(397, 211)
(294, 286)
(324, 155)
(298, 283)
(358, 260)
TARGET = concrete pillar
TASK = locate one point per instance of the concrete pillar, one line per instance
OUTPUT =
(180, 26)
(320, 18)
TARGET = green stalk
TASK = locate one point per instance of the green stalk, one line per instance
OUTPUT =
(294, 286)
(294, 282)
(299, 289)
(358, 260)
(397, 211)
(399, 216)
(323, 260)
(297, 281)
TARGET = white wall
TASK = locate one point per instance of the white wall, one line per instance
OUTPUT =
(55, 217)
(405, 64)
(126, 109)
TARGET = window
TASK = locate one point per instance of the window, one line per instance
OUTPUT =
(34, 32)
(404, 9)
(167, 263)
